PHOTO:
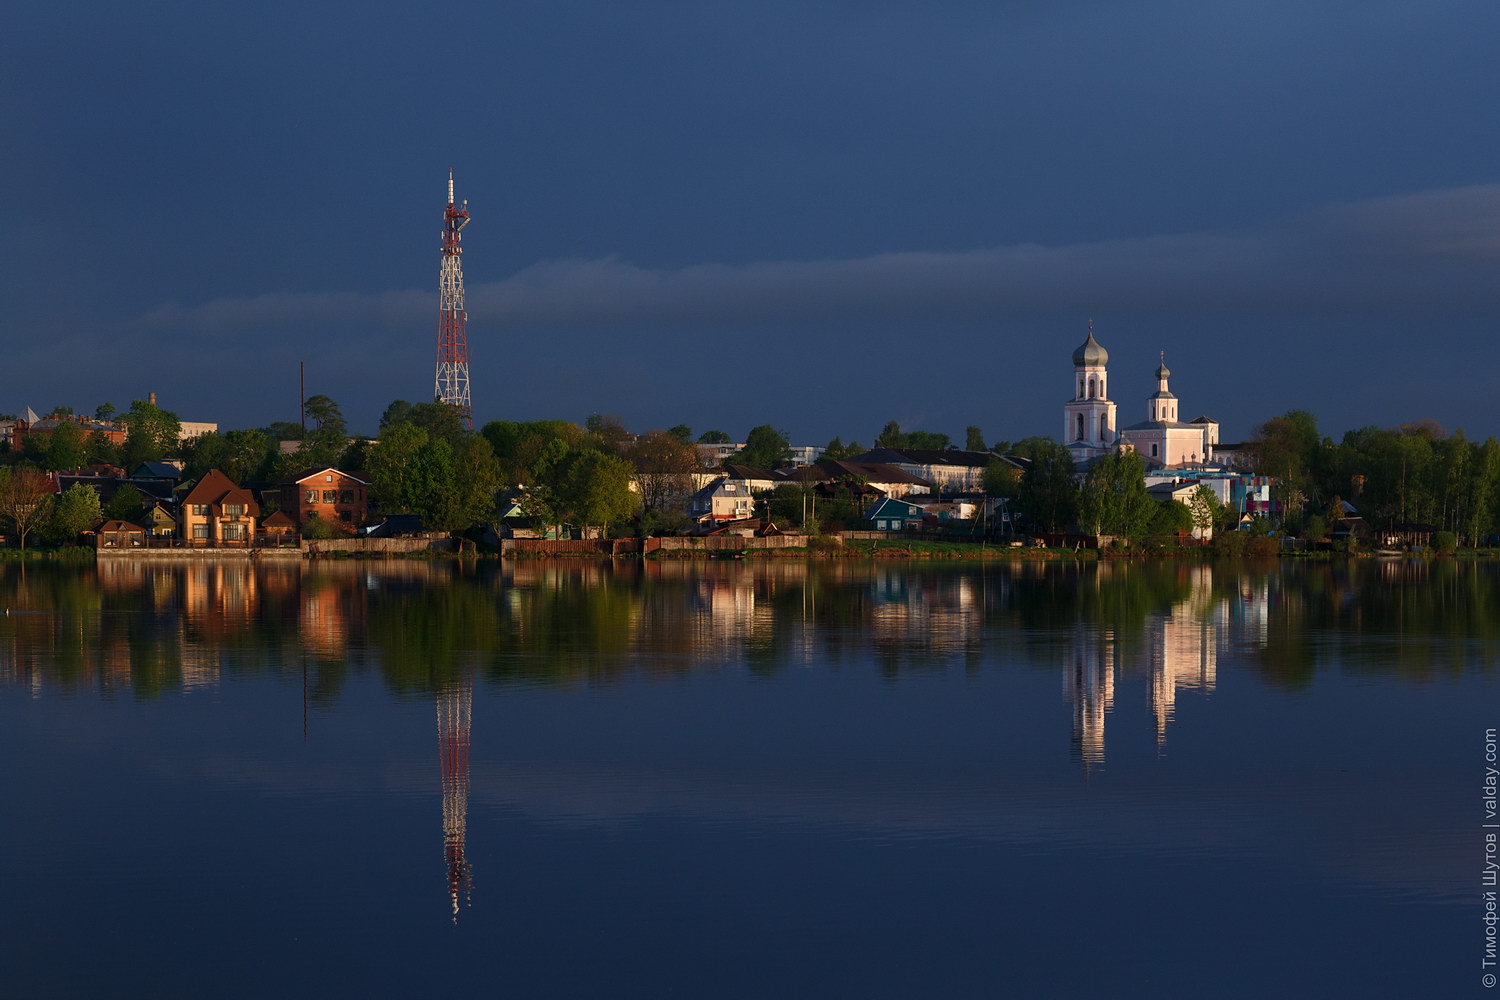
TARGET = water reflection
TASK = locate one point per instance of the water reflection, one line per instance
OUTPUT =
(455, 717)
(1129, 646)
(149, 628)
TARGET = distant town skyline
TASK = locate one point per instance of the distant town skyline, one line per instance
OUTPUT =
(821, 217)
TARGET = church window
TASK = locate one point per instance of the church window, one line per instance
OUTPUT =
(1153, 451)
(1080, 388)
(1103, 427)
(1080, 426)
(1091, 388)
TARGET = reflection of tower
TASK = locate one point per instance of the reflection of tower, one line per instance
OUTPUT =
(455, 710)
(1185, 652)
(1091, 688)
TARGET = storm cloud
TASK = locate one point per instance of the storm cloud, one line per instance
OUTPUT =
(1422, 253)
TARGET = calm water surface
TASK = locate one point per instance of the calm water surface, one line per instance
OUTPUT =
(718, 780)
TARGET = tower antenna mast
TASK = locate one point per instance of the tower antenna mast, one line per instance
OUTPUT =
(452, 383)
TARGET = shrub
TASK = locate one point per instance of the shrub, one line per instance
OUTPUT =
(1230, 543)
(1261, 546)
(1445, 541)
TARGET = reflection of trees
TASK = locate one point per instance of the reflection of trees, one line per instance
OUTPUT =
(148, 627)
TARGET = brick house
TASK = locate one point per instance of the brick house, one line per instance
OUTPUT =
(326, 494)
(216, 512)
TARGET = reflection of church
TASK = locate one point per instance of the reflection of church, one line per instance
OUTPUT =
(1091, 689)
(1181, 652)
(1162, 439)
(1184, 650)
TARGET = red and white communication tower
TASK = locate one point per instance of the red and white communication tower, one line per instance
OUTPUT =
(452, 385)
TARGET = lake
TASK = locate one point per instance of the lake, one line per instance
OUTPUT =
(720, 779)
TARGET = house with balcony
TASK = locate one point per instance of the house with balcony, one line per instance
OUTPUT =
(216, 512)
(720, 501)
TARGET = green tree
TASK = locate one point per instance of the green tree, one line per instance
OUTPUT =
(151, 433)
(76, 509)
(203, 454)
(101, 449)
(397, 413)
(1049, 491)
(1289, 449)
(1170, 518)
(330, 435)
(714, 437)
(432, 487)
(765, 448)
(441, 421)
(682, 432)
(247, 454)
(125, 504)
(519, 447)
(66, 449)
(1484, 491)
(928, 441)
(105, 412)
(390, 465)
(1205, 510)
(283, 430)
(974, 439)
(1114, 500)
(478, 480)
(608, 432)
(1001, 479)
(596, 489)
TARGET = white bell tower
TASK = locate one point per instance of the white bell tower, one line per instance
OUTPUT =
(1089, 428)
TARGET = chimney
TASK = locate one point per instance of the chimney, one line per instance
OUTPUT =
(152, 399)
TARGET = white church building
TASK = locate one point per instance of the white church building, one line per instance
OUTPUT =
(1162, 439)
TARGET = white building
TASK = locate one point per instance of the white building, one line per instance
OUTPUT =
(1162, 439)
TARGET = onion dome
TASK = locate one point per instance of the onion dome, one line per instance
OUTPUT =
(1090, 353)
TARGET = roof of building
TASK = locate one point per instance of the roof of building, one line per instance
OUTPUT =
(118, 525)
(279, 519)
(215, 488)
(396, 524)
(1090, 352)
(927, 456)
(825, 469)
(884, 508)
(746, 472)
(156, 470)
(321, 470)
(1204, 420)
(1158, 425)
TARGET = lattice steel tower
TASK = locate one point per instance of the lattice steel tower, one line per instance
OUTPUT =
(452, 384)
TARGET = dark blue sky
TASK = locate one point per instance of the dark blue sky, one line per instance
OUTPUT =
(818, 215)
